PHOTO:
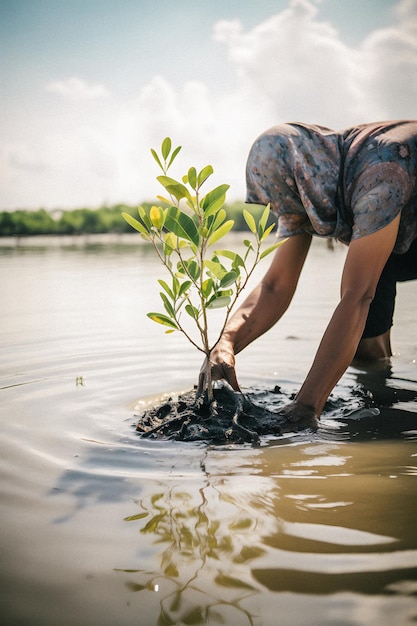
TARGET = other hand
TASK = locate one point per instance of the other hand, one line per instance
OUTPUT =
(298, 417)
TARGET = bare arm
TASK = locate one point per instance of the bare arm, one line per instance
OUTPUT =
(264, 306)
(363, 266)
(271, 298)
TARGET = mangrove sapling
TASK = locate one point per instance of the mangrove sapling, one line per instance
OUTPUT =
(183, 230)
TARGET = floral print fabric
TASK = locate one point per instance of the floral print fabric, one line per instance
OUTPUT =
(343, 184)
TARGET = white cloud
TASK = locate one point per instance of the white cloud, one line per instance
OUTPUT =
(212, 128)
(299, 67)
(406, 11)
(292, 66)
(390, 57)
(77, 89)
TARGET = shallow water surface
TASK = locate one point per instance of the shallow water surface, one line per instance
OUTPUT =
(101, 527)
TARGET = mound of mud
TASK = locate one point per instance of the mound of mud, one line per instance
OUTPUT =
(232, 418)
(359, 411)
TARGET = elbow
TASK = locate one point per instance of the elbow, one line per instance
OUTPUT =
(359, 300)
(279, 290)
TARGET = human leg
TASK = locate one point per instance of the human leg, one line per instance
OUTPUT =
(374, 348)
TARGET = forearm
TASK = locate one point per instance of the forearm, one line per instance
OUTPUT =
(270, 299)
(335, 353)
(259, 312)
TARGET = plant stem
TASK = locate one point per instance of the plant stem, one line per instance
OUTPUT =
(210, 393)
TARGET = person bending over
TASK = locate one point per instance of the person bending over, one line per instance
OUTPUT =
(359, 186)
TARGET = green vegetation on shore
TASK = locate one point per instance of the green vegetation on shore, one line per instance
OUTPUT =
(88, 221)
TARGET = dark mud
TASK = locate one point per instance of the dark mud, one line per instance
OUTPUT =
(231, 417)
(241, 417)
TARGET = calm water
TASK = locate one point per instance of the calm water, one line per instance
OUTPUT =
(99, 527)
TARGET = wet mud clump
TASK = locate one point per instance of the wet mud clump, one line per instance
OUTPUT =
(359, 412)
(232, 417)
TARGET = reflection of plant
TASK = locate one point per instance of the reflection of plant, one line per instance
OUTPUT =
(181, 237)
(198, 548)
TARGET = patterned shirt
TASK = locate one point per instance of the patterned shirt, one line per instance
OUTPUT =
(344, 184)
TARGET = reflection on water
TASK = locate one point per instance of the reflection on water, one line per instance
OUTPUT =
(318, 520)
(206, 542)
(99, 526)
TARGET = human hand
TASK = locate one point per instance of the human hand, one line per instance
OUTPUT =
(222, 366)
(297, 417)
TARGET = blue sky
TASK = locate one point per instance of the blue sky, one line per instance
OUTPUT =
(88, 86)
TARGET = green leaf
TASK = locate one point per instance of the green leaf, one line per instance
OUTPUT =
(264, 218)
(249, 247)
(135, 224)
(185, 286)
(203, 231)
(166, 147)
(218, 302)
(174, 187)
(156, 157)
(160, 318)
(173, 155)
(181, 269)
(192, 311)
(270, 249)
(267, 232)
(250, 221)
(216, 221)
(221, 232)
(167, 253)
(144, 217)
(193, 269)
(214, 206)
(214, 200)
(175, 287)
(171, 242)
(236, 259)
(165, 286)
(167, 304)
(217, 269)
(182, 225)
(192, 177)
(179, 192)
(164, 200)
(207, 287)
(204, 174)
(194, 249)
(229, 278)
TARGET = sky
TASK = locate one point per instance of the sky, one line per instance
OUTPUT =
(87, 87)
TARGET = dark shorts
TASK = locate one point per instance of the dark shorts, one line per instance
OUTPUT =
(399, 268)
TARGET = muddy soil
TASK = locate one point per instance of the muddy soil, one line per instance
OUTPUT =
(232, 418)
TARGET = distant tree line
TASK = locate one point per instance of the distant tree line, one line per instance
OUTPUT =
(89, 221)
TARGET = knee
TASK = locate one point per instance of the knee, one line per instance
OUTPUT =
(374, 348)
